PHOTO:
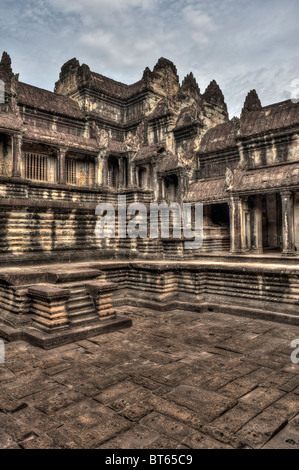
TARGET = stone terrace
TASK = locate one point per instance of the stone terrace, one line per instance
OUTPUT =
(174, 380)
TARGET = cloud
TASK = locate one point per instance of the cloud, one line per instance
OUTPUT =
(242, 44)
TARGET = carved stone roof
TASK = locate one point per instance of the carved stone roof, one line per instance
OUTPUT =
(268, 178)
(47, 101)
(60, 139)
(270, 118)
(116, 146)
(162, 109)
(220, 137)
(114, 88)
(168, 162)
(189, 115)
(149, 151)
(10, 121)
(207, 191)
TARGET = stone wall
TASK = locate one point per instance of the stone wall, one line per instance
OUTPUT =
(264, 292)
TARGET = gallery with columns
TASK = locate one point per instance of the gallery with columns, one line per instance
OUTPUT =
(160, 139)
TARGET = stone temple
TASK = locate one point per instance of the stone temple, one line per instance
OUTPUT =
(157, 140)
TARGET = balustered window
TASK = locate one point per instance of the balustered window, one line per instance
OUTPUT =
(71, 171)
(36, 166)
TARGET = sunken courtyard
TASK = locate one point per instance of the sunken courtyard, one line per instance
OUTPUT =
(137, 342)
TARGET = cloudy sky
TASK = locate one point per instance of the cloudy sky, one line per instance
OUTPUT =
(243, 44)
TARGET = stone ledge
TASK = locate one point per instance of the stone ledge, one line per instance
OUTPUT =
(49, 292)
(203, 306)
(26, 276)
(94, 288)
(59, 338)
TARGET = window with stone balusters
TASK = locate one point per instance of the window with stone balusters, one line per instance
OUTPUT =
(71, 171)
(36, 166)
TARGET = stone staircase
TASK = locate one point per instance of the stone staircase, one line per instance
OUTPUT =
(80, 307)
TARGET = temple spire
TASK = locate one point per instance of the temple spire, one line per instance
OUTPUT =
(213, 93)
(189, 86)
(5, 65)
(252, 102)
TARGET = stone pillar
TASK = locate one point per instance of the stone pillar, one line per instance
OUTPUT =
(125, 172)
(121, 172)
(130, 171)
(97, 165)
(61, 165)
(101, 293)
(105, 171)
(207, 215)
(48, 307)
(287, 209)
(235, 213)
(257, 236)
(155, 182)
(180, 189)
(17, 154)
(159, 188)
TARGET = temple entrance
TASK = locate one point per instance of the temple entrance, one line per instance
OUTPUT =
(220, 214)
(265, 232)
(216, 228)
(144, 176)
(113, 172)
(171, 188)
(271, 222)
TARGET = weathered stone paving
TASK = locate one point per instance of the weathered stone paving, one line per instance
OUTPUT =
(174, 380)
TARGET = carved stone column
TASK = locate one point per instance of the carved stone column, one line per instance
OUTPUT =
(154, 182)
(61, 165)
(96, 171)
(130, 170)
(17, 153)
(180, 189)
(257, 236)
(121, 172)
(105, 171)
(287, 209)
(235, 212)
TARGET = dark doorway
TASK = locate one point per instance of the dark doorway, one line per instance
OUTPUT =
(220, 214)
(113, 172)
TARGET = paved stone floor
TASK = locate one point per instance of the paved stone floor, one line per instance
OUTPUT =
(174, 380)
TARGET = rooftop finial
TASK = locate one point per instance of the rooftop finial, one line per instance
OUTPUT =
(252, 102)
(5, 63)
(189, 86)
(163, 63)
(213, 93)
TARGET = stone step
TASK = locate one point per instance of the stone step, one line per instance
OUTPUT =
(80, 292)
(81, 320)
(81, 310)
(78, 302)
(80, 307)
